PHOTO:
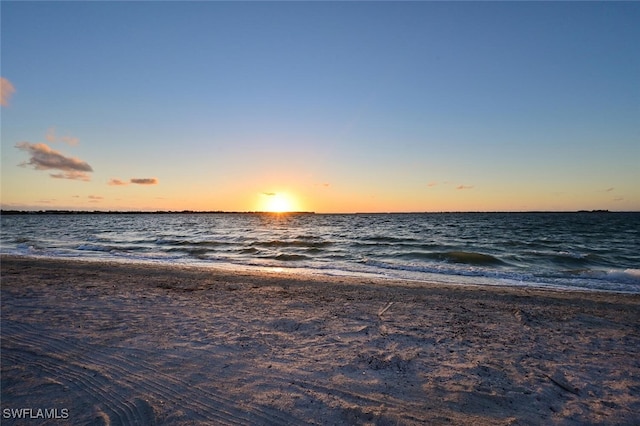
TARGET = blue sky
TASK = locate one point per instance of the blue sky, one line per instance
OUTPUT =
(355, 106)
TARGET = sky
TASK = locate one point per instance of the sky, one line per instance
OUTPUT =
(320, 106)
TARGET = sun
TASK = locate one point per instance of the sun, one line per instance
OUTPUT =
(277, 203)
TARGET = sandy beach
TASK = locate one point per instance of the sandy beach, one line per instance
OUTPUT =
(107, 343)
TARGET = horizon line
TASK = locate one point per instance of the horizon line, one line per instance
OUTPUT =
(72, 211)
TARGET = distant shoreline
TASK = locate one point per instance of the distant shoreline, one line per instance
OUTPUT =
(88, 212)
(72, 212)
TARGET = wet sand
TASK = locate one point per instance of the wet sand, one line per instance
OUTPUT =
(139, 344)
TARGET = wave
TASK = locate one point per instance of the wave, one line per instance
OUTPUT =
(627, 280)
(187, 243)
(25, 248)
(248, 250)
(632, 273)
(291, 243)
(431, 268)
(314, 250)
(94, 247)
(198, 252)
(290, 257)
(389, 239)
(628, 276)
(470, 258)
(113, 248)
(569, 258)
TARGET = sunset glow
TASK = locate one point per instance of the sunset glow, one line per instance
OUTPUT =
(277, 203)
(345, 106)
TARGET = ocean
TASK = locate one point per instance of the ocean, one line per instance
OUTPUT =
(593, 251)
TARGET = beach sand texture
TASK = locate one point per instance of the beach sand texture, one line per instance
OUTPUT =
(140, 344)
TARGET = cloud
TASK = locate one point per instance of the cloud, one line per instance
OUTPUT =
(609, 189)
(51, 134)
(144, 181)
(269, 194)
(6, 91)
(95, 197)
(137, 181)
(71, 175)
(51, 137)
(45, 158)
(432, 184)
(70, 140)
(117, 182)
(460, 187)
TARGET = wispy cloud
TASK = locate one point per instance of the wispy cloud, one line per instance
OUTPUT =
(269, 194)
(51, 134)
(609, 189)
(71, 176)
(51, 137)
(461, 187)
(432, 184)
(144, 181)
(117, 182)
(6, 91)
(135, 181)
(45, 158)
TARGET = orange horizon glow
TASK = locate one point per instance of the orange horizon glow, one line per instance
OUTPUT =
(291, 193)
(273, 202)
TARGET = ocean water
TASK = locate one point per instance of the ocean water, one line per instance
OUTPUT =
(590, 251)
